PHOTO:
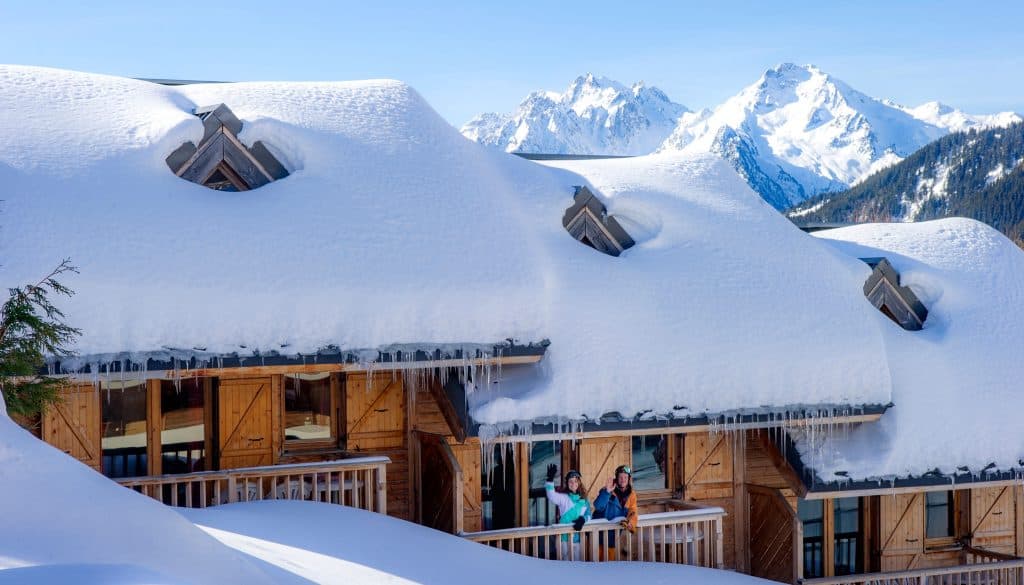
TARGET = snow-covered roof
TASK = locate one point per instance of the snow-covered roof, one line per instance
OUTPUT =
(393, 229)
(956, 394)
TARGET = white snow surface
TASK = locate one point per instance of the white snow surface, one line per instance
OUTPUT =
(394, 229)
(956, 382)
(64, 522)
(595, 115)
(299, 542)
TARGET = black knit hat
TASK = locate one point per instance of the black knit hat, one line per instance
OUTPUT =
(573, 473)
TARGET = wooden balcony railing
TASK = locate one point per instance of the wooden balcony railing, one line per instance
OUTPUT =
(690, 537)
(358, 482)
(987, 573)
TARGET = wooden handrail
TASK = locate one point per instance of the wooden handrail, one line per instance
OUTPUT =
(691, 536)
(996, 573)
(973, 555)
(358, 482)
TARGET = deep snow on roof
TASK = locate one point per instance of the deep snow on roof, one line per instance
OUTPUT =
(394, 229)
(956, 394)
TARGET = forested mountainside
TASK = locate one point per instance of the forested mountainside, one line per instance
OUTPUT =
(976, 174)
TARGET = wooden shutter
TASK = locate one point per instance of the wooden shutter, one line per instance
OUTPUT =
(73, 425)
(772, 535)
(375, 411)
(245, 422)
(707, 466)
(901, 527)
(993, 515)
(598, 459)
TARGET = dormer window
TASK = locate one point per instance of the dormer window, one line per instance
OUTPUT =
(221, 161)
(588, 221)
(896, 302)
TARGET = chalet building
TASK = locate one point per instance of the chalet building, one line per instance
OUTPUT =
(423, 338)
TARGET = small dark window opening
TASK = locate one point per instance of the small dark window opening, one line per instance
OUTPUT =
(939, 520)
(650, 460)
(846, 536)
(498, 486)
(812, 515)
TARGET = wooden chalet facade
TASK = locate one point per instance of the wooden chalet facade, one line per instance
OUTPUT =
(737, 494)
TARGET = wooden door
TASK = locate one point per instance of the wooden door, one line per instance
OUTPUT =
(773, 535)
(707, 466)
(245, 427)
(598, 459)
(73, 425)
(901, 531)
(993, 519)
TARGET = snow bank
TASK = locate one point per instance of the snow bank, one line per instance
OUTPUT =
(394, 229)
(302, 542)
(63, 520)
(955, 383)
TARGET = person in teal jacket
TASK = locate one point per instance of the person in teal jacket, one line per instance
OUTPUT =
(572, 504)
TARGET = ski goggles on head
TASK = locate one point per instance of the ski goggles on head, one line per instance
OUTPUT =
(623, 469)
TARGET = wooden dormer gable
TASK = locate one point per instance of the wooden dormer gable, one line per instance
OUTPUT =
(897, 302)
(221, 161)
(588, 221)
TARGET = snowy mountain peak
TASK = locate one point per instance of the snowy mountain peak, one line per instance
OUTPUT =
(798, 131)
(594, 115)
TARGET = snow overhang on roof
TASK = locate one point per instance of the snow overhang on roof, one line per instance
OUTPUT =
(816, 488)
(196, 362)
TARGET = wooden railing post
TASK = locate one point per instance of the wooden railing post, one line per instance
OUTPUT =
(719, 545)
(382, 488)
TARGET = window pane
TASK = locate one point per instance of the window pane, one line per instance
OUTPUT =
(812, 514)
(650, 454)
(183, 428)
(543, 512)
(498, 486)
(307, 407)
(938, 514)
(846, 513)
(124, 429)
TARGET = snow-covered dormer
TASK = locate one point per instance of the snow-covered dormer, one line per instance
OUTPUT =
(588, 221)
(221, 161)
(897, 302)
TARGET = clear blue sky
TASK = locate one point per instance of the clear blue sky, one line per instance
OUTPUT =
(469, 57)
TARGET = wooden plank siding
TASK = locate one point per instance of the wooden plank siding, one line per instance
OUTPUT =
(993, 519)
(375, 421)
(74, 424)
(469, 457)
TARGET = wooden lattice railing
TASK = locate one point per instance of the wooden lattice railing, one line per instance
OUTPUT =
(691, 537)
(987, 573)
(358, 482)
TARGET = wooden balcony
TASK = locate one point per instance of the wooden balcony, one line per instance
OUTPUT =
(979, 567)
(688, 537)
(358, 482)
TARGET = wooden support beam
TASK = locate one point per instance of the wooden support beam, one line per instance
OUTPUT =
(789, 474)
(447, 409)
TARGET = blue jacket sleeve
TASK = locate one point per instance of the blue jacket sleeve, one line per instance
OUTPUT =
(600, 503)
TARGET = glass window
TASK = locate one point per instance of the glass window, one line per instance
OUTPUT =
(650, 462)
(812, 515)
(938, 514)
(846, 514)
(498, 486)
(123, 405)
(543, 512)
(307, 407)
(182, 426)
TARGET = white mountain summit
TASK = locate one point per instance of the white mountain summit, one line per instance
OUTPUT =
(595, 115)
(796, 132)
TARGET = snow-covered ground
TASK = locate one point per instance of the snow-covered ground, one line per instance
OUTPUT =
(65, 523)
(304, 542)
